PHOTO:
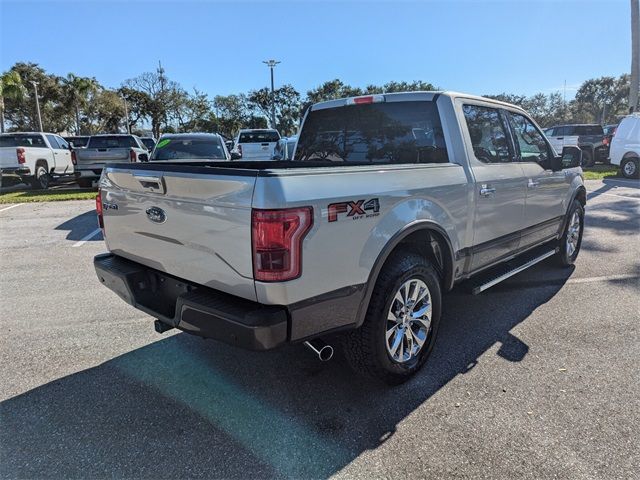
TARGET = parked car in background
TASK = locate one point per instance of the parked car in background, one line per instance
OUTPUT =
(78, 141)
(284, 148)
(589, 137)
(103, 149)
(35, 157)
(190, 147)
(148, 142)
(609, 132)
(625, 146)
(256, 144)
(390, 201)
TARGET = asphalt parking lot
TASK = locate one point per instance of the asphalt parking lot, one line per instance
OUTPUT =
(536, 378)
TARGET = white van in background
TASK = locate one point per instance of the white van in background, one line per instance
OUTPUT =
(625, 146)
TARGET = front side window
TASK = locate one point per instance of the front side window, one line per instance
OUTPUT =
(379, 133)
(488, 134)
(63, 143)
(531, 143)
(53, 142)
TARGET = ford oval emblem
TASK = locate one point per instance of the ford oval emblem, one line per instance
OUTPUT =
(156, 215)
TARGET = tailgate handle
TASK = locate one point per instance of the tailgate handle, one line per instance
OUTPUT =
(151, 183)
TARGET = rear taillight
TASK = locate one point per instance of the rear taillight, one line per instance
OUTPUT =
(132, 156)
(21, 155)
(277, 242)
(99, 210)
(74, 158)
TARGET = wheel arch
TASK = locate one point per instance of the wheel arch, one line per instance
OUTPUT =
(424, 237)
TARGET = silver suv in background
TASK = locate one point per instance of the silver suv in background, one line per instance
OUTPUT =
(389, 201)
(256, 144)
(190, 147)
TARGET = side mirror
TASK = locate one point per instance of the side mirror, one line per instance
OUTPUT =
(235, 156)
(143, 157)
(571, 157)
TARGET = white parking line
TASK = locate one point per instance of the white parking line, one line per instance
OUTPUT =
(607, 278)
(12, 206)
(84, 239)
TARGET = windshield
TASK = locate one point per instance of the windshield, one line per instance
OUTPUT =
(122, 141)
(259, 136)
(22, 140)
(188, 148)
(149, 143)
(395, 132)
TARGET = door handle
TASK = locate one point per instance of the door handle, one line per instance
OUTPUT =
(486, 191)
(560, 138)
(532, 184)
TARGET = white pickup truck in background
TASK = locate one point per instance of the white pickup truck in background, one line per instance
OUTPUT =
(256, 144)
(35, 157)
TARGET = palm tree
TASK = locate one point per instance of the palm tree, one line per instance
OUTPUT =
(77, 90)
(10, 87)
(635, 56)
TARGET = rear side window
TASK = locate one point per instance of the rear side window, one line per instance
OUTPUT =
(22, 140)
(588, 130)
(488, 134)
(381, 133)
(169, 149)
(259, 136)
(115, 141)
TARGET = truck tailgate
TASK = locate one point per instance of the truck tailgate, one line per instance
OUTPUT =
(102, 155)
(195, 226)
(8, 157)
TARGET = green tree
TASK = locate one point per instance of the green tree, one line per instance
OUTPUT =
(286, 101)
(77, 91)
(10, 87)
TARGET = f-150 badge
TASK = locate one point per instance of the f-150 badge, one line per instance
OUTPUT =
(355, 210)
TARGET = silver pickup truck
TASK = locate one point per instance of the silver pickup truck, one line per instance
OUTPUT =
(389, 201)
(103, 149)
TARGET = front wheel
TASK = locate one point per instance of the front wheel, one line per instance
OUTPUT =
(401, 323)
(629, 168)
(571, 239)
(587, 159)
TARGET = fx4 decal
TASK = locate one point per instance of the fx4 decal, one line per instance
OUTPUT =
(355, 210)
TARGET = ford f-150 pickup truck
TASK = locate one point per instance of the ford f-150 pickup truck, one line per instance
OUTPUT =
(388, 202)
(102, 149)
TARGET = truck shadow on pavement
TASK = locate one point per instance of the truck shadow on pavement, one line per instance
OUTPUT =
(184, 407)
(80, 226)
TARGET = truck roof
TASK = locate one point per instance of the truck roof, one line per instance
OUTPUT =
(407, 97)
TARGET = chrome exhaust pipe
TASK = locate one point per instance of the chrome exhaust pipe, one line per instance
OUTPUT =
(321, 349)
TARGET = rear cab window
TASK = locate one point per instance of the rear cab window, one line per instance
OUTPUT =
(588, 130)
(113, 141)
(259, 136)
(377, 133)
(22, 140)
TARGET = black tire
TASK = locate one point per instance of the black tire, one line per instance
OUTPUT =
(587, 159)
(366, 347)
(85, 182)
(630, 168)
(567, 256)
(41, 178)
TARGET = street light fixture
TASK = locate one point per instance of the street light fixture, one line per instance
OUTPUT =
(35, 88)
(271, 64)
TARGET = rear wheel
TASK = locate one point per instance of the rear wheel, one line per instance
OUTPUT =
(41, 178)
(571, 239)
(402, 321)
(629, 168)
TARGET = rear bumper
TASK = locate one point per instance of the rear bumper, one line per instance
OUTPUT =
(193, 308)
(87, 173)
(18, 171)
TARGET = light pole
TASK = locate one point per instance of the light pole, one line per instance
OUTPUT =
(126, 115)
(35, 88)
(271, 64)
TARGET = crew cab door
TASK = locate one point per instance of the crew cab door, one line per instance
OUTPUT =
(500, 184)
(63, 160)
(60, 163)
(546, 189)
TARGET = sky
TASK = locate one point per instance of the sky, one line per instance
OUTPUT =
(478, 47)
